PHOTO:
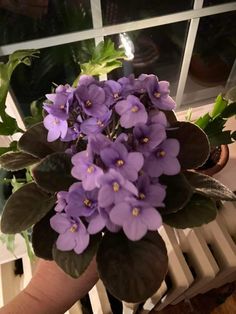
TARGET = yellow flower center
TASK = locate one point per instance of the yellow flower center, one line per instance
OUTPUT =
(55, 121)
(90, 169)
(62, 106)
(120, 162)
(135, 108)
(115, 95)
(142, 196)
(157, 95)
(73, 228)
(135, 211)
(99, 122)
(88, 103)
(145, 140)
(161, 153)
(87, 202)
(116, 187)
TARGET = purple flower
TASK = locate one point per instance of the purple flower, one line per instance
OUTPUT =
(114, 189)
(85, 170)
(81, 202)
(72, 233)
(147, 137)
(132, 111)
(99, 220)
(158, 91)
(61, 201)
(136, 218)
(86, 80)
(97, 142)
(152, 194)
(60, 102)
(72, 133)
(156, 116)
(163, 160)
(92, 99)
(95, 125)
(127, 84)
(113, 91)
(127, 164)
(56, 127)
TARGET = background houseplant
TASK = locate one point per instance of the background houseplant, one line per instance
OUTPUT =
(126, 140)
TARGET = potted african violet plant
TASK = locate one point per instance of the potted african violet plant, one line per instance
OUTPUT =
(108, 167)
(213, 124)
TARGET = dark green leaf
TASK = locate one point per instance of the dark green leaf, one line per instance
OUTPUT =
(132, 270)
(17, 160)
(75, 264)
(194, 144)
(8, 126)
(53, 173)
(34, 141)
(203, 121)
(219, 106)
(233, 135)
(24, 208)
(44, 237)
(220, 138)
(229, 111)
(215, 126)
(178, 193)
(209, 186)
(199, 210)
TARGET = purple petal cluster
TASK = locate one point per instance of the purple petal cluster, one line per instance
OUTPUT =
(121, 127)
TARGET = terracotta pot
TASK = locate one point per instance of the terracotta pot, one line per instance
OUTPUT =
(223, 159)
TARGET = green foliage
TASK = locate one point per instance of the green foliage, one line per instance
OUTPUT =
(104, 59)
(198, 211)
(36, 114)
(9, 126)
(213, 123)
(11, 148)
(17, 160)
(75, 264)
(24, 208)
(53, 173)
(194, 144)
(132, 270)
(26, 236)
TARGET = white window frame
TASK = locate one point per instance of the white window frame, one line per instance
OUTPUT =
(99, 32)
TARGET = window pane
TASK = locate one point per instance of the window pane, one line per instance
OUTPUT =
(120, 11)
(213, 58)
(31, 19)
(56, 65)
(215, 2)
(157, 50)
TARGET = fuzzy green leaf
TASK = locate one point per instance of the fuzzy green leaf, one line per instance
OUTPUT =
(75, 264)
(53, 173)
(219, 106)
(24, 208)
(17, 160)
(12, 147)
(34, 141)
(132, 270)
(203, 121)
(194, 144)
(198, 211)
(229, 111)
(209, 186)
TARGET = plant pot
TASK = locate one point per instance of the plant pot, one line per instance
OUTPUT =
(219, 157)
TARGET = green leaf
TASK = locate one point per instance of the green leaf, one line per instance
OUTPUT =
(24, 208)
(16, 185)
(17, 160)
(26, 236)
(209, 186)
(199, 210)
(75, 264)
(8, 126)
(233, 135)
(220, 138)
(203, 121)
(53, 173)
(219, 106)
(178, 193)
(194, 144)
(36, 112)
(229, 111)
(44, 237)
(132, 271)
(104, 59)
(34, 141)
